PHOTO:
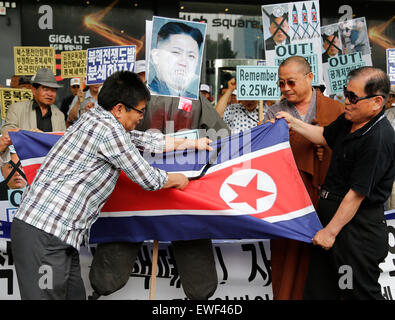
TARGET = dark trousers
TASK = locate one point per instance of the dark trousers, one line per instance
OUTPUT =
(350, 269)
(47, 268)
(113, 263)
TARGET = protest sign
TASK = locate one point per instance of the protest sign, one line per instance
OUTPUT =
(305, 50)
(339, 67)
(345, 46)
(257, 83)
(27, 60)
(73, 64)
(103, 62)
(175, 56)
(293, 29)
(9, 96)
(243, 268)
(390, 52)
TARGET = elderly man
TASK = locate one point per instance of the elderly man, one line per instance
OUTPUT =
(175, 60)
(241, 115)
(59, 208)
(290, 257)
(359, 181)
(40, 113)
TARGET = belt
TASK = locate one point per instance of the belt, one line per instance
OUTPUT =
(325, 194)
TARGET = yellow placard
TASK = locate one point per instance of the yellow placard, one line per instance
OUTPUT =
(73, 63)
(9, 96)
(27, 60)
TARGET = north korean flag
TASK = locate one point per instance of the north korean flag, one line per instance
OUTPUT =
(248, 187)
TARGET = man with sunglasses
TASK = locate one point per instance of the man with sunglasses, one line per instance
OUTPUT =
(311, 106)
(359, 181)
(74, 181)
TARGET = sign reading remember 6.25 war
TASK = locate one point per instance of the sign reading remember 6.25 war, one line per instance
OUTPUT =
(257, 83)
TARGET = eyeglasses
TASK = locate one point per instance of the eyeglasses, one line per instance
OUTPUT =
(354, 99)
(75, 86)
(290, 83)
(133, 108)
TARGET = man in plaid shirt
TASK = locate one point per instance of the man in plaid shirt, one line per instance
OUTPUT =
(75, 180)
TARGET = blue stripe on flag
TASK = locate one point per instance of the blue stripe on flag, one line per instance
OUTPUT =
(188, 227)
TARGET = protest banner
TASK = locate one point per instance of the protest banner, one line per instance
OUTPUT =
(345, 46)
(174, 52)
(390, 54)
(9, 96)
(290, 29)
(103, 62)
(305, 50)
(27, 60)
(338, 70)
(73, 64)
(257, 83)
(243, 269)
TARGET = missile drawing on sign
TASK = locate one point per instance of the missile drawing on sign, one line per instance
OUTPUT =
(314, 21)
(305, 22)
(295, 24)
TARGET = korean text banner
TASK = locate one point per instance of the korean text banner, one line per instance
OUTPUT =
(248, 187)
(103, 62)
(345, 47)
(293, 28)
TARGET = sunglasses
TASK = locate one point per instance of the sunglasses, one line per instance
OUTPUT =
(75, 86)
(133, 108)
(354, 99)
(290, 83)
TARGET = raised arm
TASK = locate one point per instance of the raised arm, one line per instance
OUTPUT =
(73, 112)
(223, 101)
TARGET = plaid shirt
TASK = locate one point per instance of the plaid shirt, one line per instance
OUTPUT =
(80, 172)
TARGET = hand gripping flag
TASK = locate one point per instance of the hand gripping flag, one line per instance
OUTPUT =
(248, 187)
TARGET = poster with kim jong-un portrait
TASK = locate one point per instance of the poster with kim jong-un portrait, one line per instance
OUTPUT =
(290, 29)
(175, 57)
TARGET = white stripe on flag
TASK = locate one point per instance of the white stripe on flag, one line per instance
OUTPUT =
(32, 161)
(238, 160)
(230, 212)
(291, 215)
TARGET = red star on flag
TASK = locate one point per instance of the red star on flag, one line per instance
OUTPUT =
(250, 193)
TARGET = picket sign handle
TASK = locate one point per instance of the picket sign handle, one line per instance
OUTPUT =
(260, 115)
(154, 270)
